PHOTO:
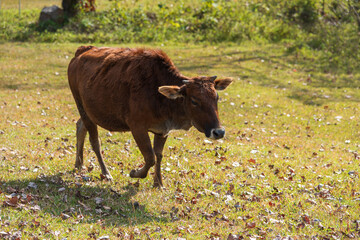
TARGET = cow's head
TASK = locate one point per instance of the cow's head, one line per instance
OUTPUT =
(200, 102)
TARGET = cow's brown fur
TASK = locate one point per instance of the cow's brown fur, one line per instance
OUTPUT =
(139, 90)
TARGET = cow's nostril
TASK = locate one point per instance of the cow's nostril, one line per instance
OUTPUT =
(218, 133)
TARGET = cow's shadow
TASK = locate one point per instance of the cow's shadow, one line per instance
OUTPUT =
(77, 200)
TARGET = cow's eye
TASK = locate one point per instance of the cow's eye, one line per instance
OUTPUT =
(194, 102)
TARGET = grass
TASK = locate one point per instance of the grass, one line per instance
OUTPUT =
(288, 165)
(100, 4)
(27, 4)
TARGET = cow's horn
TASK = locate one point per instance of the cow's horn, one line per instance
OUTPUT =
(213, 78)
(186, 81)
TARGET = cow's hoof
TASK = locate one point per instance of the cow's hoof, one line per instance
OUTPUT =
(132, 173)
(79, 168)
(137, 174)
(158, 185)
(158, 182)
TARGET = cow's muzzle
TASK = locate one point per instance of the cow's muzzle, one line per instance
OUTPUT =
(217, 133)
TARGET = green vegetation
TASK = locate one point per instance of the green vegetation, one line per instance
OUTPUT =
(288, 166)
(329, 28)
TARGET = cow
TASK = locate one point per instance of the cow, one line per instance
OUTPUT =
(139, 90)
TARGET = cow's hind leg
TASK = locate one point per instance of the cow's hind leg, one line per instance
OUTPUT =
(159, 142)
(142, 139)
(95, 144)
(85, 124)
(80, 138)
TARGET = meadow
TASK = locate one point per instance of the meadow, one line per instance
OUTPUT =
(288, 167)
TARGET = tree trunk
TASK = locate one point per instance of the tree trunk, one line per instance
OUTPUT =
(71, 7)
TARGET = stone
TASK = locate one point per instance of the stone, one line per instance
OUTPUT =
(53, 13)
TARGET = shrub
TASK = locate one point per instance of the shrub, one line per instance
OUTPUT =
(331, 29)
(302, 11)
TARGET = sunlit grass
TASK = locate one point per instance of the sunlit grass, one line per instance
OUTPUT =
(28, 4)
(100, 4)
(288, 165)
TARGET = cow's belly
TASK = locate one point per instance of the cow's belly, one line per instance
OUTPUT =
(110, 122)
(114, 125)
(106, 108)
(106, 116)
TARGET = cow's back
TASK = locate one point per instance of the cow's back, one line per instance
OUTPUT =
(117, 85)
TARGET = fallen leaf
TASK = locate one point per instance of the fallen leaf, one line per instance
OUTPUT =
(252, 161)
(306, 219)
(233, 237)
(64, 216)
(4, 234)
(35, 223)
(98, 200)
(214, 234)
(35, 208)
(107, 208)
(32, 185)
(90, 167)
(11, 190)
(235, 164)
(84, 206)
(250, 224)
(103, 238)
(14, 200)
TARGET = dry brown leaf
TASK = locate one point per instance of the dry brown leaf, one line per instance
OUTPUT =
(250, 224)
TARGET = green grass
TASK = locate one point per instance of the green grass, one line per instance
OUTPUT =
(28, 4)
(100, 4)
(328, 29)
(288, 165)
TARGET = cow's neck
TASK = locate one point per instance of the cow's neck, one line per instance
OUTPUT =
(173, 118)
(178, 119)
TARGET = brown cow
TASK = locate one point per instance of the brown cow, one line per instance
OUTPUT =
(139, 90)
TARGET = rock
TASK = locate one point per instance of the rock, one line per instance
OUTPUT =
(53, 13)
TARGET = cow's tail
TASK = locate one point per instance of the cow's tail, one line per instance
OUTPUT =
(82, 49)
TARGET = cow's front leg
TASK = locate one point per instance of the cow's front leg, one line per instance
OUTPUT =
(143, 141)
(159, 142)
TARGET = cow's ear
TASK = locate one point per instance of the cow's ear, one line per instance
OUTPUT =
(221, 84)
(171, 92)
